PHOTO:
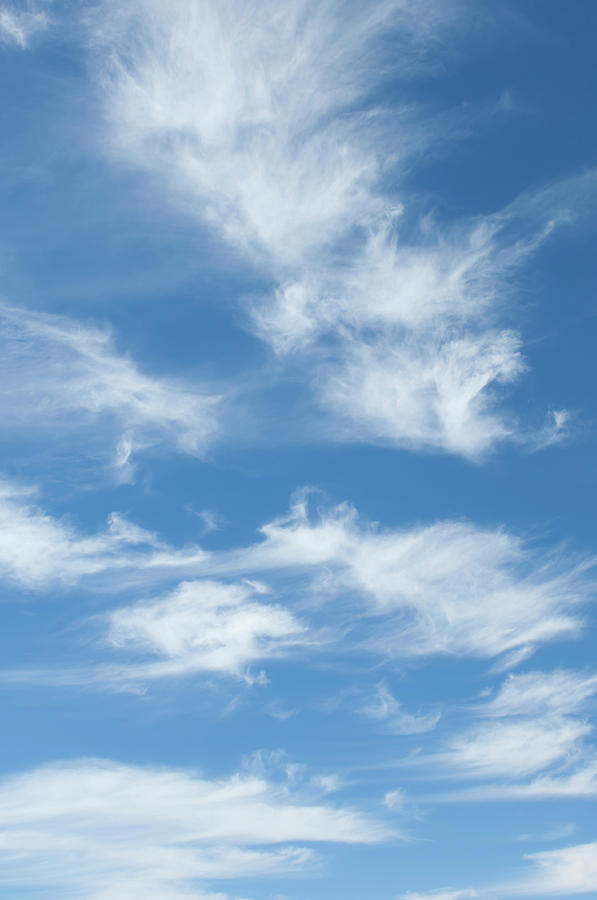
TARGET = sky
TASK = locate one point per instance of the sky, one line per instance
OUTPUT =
(298, 562)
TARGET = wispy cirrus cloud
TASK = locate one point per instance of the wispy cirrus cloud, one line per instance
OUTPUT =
(441, 895)
(18, 26)
(99, 829)
(530, 740)
(570, 870)
(58, 373)
(38, 550)
(327, 582)
(268, 127)
(252, 115)
(448, 587)
(386, 709)
(563, 872)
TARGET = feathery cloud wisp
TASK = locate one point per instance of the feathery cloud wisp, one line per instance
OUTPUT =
(53, 367)
(19, 26)
(262, 123)
(38, 551)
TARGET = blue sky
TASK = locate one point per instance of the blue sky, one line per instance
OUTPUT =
(297, 545)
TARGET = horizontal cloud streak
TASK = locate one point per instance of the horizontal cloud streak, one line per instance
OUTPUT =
(531, 741)
(569, 870)
(102, 829)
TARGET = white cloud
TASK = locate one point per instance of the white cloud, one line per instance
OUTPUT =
(337, 583)
(201, 626)
(557, 833)
(19, 26)
(534, 728)
(511, 750)
(557, 429)
(38, 550)
(59, 374)
(249, 114)
(580, 782)
(570, 870)
(560, 692)
(261, 123)
(204, 626)
(445, 588)
(394, 800)
(404, 335)
(427, 392)
(101, 829)
(441, 895)
(449, 587)
(387, 709)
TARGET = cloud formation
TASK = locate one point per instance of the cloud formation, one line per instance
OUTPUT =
(569, 870)
(386, 709)
(100, 829)
(530, 740)
(60, 374)
(37, 550)
(250, 114)
(336, 584)
(264, 125)
(448, 587)
(204, 626)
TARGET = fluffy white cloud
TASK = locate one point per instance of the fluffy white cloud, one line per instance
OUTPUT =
(204, 626)
(99, 829)
(60, 374)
